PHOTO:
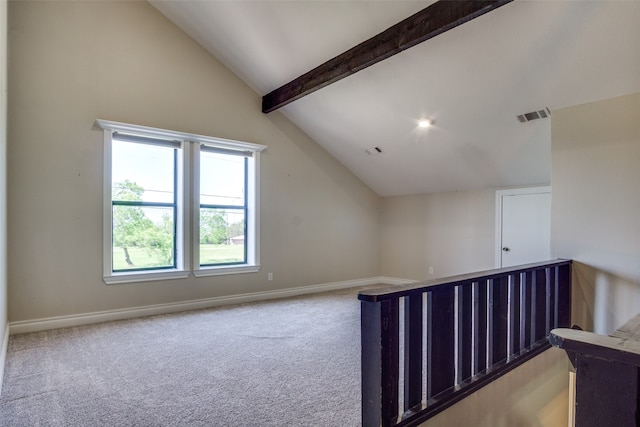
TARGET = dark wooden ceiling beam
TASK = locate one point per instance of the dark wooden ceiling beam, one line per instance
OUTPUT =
(428, 23)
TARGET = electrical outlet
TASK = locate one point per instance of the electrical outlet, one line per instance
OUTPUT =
(430, 270)
(269, 276)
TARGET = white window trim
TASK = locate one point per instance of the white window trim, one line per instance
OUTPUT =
(188, 259)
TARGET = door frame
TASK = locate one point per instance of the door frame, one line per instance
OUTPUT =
(510, 192)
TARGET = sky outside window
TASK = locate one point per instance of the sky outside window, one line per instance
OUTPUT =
(221, 179)
(149, 166)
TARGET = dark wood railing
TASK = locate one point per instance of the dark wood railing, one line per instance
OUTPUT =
(426, 346)
(607, 374)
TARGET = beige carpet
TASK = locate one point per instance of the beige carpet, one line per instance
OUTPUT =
(291, 362)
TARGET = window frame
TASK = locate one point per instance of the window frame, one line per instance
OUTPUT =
(187, 233)
(174, 205)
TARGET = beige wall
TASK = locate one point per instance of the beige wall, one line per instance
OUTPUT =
(596, 207)
(532, 395)
(73, 62)
(453, 232)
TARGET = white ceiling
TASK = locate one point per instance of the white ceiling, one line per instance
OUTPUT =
(472, 81)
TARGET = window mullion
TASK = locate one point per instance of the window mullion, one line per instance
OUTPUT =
(182, 198)
(194, 205)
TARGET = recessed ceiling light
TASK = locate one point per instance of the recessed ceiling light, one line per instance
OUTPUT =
(424, 123)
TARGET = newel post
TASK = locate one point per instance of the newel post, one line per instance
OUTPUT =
(380, 358)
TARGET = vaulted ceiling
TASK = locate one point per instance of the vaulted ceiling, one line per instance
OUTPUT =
(471, 81)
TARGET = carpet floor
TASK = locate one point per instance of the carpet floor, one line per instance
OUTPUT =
(289, 362)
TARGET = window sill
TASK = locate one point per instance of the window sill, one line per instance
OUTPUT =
(232, 269)
(148, 276)
(145, 276)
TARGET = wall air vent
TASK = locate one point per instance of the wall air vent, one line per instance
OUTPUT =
(374, 151)
(534, 115)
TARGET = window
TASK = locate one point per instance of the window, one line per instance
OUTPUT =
(223, 207)
(164, 190)
(144, 203)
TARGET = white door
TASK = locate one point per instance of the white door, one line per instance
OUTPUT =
(525, 221)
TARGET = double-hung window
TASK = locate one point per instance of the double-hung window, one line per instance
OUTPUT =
(144, 203)
(177, 204)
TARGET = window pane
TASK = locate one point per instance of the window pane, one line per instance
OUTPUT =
(222, 236)
(222, 179)
(143, 237)
(142, 172)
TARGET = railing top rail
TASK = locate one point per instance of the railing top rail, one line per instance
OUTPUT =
(603, 347)
(395, 291)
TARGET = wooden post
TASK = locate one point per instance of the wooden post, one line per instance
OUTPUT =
(607, 374)
(380, 358)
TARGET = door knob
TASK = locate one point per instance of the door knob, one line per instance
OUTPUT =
(506, 249)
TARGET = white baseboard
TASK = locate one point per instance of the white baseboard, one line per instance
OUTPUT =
(3, 355)
(34, 325)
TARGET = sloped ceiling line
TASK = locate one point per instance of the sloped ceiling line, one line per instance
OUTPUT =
(435, 19)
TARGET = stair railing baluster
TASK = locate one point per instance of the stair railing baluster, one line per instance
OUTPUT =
(458, 334)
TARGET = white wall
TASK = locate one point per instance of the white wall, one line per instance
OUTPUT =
(595, 214)
(75, 61)
(453, 232)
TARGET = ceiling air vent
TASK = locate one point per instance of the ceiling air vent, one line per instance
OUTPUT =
(534, 115)
(374, 151)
